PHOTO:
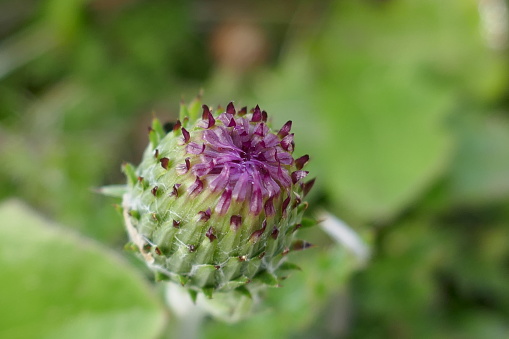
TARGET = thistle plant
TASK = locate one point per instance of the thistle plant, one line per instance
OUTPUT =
(216, 201)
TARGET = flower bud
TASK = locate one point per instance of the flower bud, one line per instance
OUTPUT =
(215, 203)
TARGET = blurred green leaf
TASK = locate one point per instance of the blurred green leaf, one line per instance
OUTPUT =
(377, 87)
(480, 170)
(64, 17)
(55, 284)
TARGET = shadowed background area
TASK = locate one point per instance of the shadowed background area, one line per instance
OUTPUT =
(401, 104)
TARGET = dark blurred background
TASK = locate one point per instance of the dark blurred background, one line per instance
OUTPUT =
(402, 105)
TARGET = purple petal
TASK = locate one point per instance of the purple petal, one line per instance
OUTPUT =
(270, 140)
(203, 168)
(261, 130)
(224, 202)
(218, 138)
(196, 187)
(284, 158)
(283, 177)
(195, 148)
(225, 118)
(256, 201)
(241, 187)
(271, 186)
(220, 182)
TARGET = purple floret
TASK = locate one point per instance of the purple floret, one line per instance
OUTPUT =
(242, 158)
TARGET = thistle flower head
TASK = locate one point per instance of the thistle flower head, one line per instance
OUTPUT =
(215, 203)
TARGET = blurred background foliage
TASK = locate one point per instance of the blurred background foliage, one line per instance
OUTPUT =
(402, 105)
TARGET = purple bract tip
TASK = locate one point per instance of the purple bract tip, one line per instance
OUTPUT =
(196, 187)
(204, 215)
(186, 135)
(164, 162)
(210, 234)
(230, 109)
(283, 132)
(208, 120)
(177, 126)
(235, 222)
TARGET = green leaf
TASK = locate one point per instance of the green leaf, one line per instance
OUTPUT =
(380, 82)
(480, 170)
(55, 284)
